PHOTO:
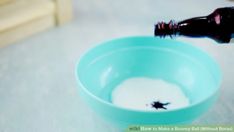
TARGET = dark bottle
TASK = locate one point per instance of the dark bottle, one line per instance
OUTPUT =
(219, 26)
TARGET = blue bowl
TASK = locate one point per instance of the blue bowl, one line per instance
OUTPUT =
(105, 66)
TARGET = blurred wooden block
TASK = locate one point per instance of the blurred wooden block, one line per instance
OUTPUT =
(23, 18)
(4, 2)
(63, 11)
(22, 31)
(23, 11)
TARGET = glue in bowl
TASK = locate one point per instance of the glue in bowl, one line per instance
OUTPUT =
(108, 64)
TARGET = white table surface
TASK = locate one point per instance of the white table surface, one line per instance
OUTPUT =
(38, 90)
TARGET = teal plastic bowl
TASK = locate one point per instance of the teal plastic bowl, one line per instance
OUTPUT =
(105, 66)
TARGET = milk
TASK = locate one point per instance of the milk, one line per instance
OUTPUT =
(143, 93)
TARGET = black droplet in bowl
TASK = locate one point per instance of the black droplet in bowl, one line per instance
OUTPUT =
(159, 105)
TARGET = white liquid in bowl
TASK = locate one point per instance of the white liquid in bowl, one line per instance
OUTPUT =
(149, 94)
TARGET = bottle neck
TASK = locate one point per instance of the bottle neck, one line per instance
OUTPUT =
(194, 27)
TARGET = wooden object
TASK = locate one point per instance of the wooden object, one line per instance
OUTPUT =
(4, 2)
(22, 18)
(63, 11)
(25, 30)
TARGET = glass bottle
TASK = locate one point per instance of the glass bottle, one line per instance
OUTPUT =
(218, 25)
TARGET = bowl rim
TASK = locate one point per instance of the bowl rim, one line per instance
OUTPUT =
(145, 111)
